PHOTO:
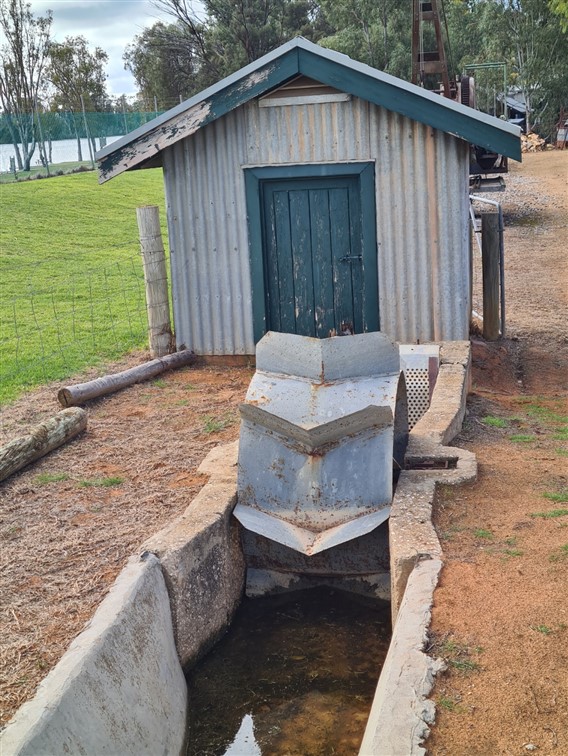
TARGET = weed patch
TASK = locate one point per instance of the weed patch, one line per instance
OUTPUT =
(465, 665)
(522, 438)
(101, 482)
(215, 425)
(553, 513)
(544, 629)
(456, 654)
(513, 552)
(450, 704)
(45, 478)
(494, 422)
(482, 533)
(559, 554)
(559, 496)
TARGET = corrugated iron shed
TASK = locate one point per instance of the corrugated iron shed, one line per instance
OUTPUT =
(231, 151)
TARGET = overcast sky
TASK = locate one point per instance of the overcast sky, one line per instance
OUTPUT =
(110, 24)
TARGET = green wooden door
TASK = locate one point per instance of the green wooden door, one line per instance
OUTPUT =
(313, 255)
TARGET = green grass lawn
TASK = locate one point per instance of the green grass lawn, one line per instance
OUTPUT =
(71, 282)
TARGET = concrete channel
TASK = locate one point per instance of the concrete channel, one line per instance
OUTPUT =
(120, 687)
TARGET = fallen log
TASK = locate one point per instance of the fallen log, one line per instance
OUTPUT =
(42, 439)
(108, 384)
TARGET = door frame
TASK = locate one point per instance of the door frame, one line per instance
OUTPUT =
(365, 173)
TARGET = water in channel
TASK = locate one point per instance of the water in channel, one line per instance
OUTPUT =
(294, 676)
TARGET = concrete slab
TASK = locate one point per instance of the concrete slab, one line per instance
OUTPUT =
(119, 689)
(401, 714)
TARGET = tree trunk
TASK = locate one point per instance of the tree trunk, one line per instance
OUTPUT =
(15, 141)
(18, 156)
(108, 384)
(42, 439)
(28, 154)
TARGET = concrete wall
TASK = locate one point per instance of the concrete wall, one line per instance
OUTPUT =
(120, 688)
(202, 560)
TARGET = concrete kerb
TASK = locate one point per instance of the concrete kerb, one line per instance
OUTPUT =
(202, 559)
(401, 713)
(119, 688)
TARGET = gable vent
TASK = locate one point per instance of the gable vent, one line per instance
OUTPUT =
(301, 91)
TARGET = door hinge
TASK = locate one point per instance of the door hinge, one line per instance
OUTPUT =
(351, 258)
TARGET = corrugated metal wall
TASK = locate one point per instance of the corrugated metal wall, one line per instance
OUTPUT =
(422, 216)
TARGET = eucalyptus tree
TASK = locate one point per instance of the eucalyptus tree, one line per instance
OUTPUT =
(164, 63)
(225, 35)
(24, 55)
(532, 34)
(78, 79)
(376, 32)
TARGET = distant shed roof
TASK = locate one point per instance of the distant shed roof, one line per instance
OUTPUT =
(142, 147)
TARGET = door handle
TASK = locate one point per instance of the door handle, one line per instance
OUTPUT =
(351, 258)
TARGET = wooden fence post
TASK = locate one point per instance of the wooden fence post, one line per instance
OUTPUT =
(490, 267)
(156, 280)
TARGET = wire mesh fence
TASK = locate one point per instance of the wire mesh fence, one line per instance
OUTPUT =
(55, 324)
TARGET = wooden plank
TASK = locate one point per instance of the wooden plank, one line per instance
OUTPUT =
(285, 284)
(271, 262)
(321, 262)
(341, 248)
(185, 121)
(255, 234)
(356, 250)
(490, 270)
(302, 261)
(367, 198)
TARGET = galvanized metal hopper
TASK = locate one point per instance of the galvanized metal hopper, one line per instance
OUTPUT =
(322, 422)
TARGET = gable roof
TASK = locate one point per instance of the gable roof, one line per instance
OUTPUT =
(142, 147)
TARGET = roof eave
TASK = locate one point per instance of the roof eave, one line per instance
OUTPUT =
(415, 103)
(184, 120)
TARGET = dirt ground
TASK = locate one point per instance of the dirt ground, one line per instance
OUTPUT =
(500, 616)
(69, 522)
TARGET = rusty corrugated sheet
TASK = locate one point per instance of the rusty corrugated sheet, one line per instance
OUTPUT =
(422, 216)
